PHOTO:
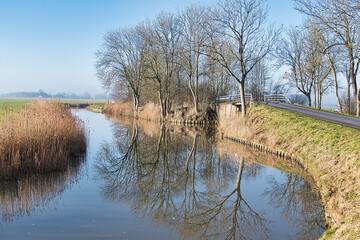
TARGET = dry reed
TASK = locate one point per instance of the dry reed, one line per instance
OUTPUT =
(150, 111)
(117, 108)
(41, 138)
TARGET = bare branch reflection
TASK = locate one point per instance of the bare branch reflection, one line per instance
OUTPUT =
(180, 180)
(235, 216)
(298, 204)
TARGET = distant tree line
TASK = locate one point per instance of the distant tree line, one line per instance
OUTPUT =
(197, 53)
(63, 95)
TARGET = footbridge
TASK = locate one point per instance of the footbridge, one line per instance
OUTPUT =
(235, 99)
(276, 98)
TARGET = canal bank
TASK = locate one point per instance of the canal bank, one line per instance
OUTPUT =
(328, 151)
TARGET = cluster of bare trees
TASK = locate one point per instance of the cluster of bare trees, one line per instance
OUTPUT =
(325, 46)
(198, 53)
(189, 56)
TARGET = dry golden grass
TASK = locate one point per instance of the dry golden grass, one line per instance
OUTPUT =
(150, 111)
(41, 138)
(117, 109)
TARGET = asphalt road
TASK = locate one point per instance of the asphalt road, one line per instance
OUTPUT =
(343, 120)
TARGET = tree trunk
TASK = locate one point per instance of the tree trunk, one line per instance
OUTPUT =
(197, 83)
(336, 85)
(242, 96)
(168, 105)
(193, 94)
(309, 100)
(358, 102)
(315, 97)
(348, 103)
(136, 103)
(163, 108)
(319, 97)
(354, 85)
(241, 169)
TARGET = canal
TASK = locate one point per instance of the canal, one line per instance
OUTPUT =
(140, 180)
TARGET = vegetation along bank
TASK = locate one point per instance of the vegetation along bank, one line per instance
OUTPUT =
(39, 138)
(331, 153)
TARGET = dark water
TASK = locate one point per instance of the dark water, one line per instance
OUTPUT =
(145, 181)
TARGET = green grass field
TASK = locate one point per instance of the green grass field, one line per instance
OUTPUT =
(12, 105)
(14, 101)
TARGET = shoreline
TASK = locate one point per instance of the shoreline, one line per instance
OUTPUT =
(333, 165)
(329, 152)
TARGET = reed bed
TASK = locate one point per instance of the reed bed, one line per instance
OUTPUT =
(150, 111)
(39, 139)
(117, 109)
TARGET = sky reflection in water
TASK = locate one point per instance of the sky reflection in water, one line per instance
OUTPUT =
(146, 181)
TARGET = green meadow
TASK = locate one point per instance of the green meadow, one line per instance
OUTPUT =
(11, 106)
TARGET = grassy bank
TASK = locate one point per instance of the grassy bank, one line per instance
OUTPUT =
(39, 138)
(331, 153)
(96, 108)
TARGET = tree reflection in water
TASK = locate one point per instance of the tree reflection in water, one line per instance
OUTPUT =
(25, 195)
(180, 180)
(298, 205)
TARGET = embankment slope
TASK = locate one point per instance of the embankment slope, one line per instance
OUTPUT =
(331, 153)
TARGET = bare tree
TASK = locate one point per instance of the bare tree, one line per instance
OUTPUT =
(162, 36)
(332, 52)
(291, 52)
(316, 66)
(216, 77)
(120, 62)
(342, 19)
(258, 81)
(194, 37)
(240, 38)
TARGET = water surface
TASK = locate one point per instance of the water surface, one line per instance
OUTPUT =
(146, 181)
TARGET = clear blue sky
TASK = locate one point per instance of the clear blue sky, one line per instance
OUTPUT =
(50, 45)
